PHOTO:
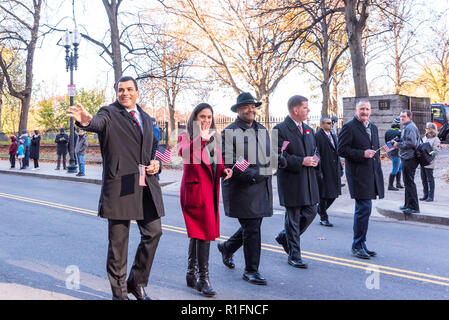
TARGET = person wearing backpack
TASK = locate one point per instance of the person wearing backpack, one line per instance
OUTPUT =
(409, 142)
(427, 178)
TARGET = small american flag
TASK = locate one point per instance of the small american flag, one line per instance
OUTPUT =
(163, 154)
(241, 164)
(387, 148)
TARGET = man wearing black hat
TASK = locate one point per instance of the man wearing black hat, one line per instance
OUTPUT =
(62, 140)
(248, 195)
(297, 182)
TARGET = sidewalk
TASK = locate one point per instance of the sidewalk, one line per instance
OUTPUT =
(436, 212)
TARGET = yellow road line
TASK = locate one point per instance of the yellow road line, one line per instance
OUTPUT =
(268, 247)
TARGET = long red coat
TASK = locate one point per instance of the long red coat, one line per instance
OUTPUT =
(198, 202)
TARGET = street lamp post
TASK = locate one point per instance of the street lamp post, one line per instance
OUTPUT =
(71, 41)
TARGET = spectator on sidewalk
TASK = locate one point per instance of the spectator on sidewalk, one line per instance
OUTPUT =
(427, 178)
(21, 154)
(34, 149)
(80, 151)
(12, 151)
(62, 140)
(26, 144)
(394, 133)
(407, 145)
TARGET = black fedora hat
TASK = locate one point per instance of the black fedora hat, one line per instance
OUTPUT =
(245, 98)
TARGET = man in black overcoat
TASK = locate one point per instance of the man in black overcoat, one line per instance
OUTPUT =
(248, 195)
(330, 170)
(127, 140)
(297, 182)
(358, 143)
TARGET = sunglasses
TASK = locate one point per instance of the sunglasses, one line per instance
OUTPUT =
(327, 122)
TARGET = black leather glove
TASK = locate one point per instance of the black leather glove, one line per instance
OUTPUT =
(282, 162)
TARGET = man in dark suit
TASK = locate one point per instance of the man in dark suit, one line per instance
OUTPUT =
(329, 177)
(357, 143)
(297, 182)
(127, 140)
(248, 195)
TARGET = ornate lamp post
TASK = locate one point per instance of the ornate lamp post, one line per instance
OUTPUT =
(71, 41)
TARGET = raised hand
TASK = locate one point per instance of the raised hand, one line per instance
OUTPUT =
(228, 173)
(80, 114)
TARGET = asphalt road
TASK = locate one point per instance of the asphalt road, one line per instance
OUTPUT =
(49, 229)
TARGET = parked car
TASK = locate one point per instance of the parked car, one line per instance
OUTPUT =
(440, 116)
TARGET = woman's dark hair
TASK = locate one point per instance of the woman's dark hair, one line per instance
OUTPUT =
(193, 117)
(36, 132)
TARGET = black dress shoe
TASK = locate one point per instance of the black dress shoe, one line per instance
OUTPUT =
(423, 198)
(282, 241)
(297, 263)
(410, 211)
(402, 208)
(429, 200)
(370, 253)
(326, 223)
(254, 278)
(138, 292)
(227, 257)
(360, 253)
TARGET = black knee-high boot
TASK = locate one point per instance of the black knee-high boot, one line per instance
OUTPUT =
(203, 284)
(192, 264)
(399, 180)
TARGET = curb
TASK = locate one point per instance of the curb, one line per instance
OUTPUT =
(66, 178)
(399, 215)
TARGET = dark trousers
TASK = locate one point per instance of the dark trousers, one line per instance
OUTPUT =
(249, 236)
(428, 182)
(361, 219)
(27, 158)
(411, 195)
(12, 160)
(64, 157)
(322, 208)
(297, 220)
(36, 163)
(116, 265)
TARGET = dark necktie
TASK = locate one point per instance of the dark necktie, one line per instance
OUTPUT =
(331, 140)
(133, 113)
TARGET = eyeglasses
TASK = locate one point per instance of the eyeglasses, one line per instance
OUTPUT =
(327, 122)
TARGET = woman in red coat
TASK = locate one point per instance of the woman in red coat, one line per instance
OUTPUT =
(200, 186)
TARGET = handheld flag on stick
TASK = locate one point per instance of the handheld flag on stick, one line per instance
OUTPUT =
(284, 145)
(163, 154)
(387, 148)
(241, 164)
(142, 173)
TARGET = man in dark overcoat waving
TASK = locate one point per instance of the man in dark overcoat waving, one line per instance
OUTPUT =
(127, 140)
(297, 182)
(358, 143)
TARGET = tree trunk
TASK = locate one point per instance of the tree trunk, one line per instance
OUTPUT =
(263, 97)
(112, 12)
(171, 113)
(334, 103)
(354, 28)
(26, 93)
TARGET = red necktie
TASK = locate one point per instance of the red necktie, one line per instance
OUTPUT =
(300, 128)
(133, 113)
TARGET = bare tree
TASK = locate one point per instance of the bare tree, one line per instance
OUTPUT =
(328, 42)
(401, 40)
(242, 48)
(20, 30)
